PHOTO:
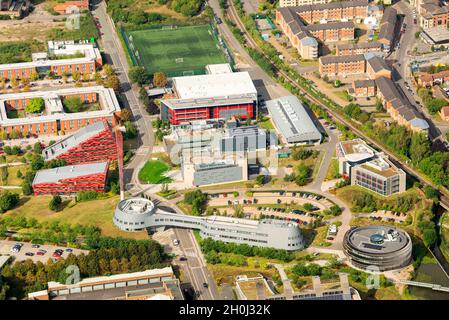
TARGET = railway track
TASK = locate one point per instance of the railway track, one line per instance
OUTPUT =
(335, 115)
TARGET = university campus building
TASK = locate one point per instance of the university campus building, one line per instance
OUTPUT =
(365, 167)
(221, 95)
(378, 248)
(93, 143)
(153, 284)
(63, 57)
(137, 214)
(71, 179)
(100, 104)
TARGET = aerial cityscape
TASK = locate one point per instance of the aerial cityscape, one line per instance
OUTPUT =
(232, 150)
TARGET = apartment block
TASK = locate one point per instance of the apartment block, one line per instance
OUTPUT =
(376, 67)
(63, 57)
(99, 104)
(349, 49)
(387, 28)
(433, 13)
(295, 3)
(363, 88)
(342, 65)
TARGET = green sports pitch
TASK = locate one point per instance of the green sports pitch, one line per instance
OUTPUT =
(176, 51)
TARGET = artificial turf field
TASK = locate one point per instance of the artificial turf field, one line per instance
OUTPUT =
(175, 51)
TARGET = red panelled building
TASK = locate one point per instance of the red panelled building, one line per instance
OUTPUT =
(71, 179)
(93, 143)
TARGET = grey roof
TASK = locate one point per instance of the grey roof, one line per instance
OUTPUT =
(389, 16)
(378, 64)
(331, 5)
(363, 45)
(73, 140)
(292, 120)
(341, 59)
(420, 123)
(55, 175)
(387, 25)
(309, 41)
(364, 83)
(331, 26)
(388, 89)
(245, 131)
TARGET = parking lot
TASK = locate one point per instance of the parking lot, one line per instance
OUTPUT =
(6, 246)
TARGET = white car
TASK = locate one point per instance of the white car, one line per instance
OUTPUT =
(176, 242)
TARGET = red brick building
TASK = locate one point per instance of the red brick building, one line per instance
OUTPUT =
(93, 143)
(71, 179)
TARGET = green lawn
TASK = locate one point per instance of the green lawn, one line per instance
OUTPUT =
(152, 172)
(96, 212)
(174, 51)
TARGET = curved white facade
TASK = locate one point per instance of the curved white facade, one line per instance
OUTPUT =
(136, 214)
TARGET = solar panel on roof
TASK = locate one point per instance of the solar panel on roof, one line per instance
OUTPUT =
(372, 246)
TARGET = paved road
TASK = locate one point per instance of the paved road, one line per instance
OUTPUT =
(115, 55)
(401, 69)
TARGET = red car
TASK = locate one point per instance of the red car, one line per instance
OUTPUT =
(56, 255)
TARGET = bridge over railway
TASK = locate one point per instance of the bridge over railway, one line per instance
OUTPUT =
(432, 286)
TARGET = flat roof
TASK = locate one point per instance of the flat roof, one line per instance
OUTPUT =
(117, 277)
(73, 140)
(219, 68)
(361, 239)
(437, 34)
(58, 48)
(292, 119)
(55, 175)
(54, 108)
(355, 150)
(214, 85)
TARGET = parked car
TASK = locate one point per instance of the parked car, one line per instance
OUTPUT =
(68, 250)
(29, 254)
(35, 246)
(176, 242)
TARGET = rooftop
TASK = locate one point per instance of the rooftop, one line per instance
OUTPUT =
(73, 140)
(59, 49)
(218, 68)
(56, 175)
(355, 150)
(292, 119)
(378, 239)
(136, 206)
(214, 85)
(54, 108)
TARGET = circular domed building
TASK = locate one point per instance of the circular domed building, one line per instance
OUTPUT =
(133, 214)
(379, 248)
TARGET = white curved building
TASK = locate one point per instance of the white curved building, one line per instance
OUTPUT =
(137, 214)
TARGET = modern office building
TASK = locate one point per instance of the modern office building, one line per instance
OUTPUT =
(293, 121)
(154, 284)
(136, 214)
(71, 179)
(201, 171)
(87, 58)
(378, 248)
(210, 96)
(98, 104)
(363, 166)
(244, 139)
(93, 143)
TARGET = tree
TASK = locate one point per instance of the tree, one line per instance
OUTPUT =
(8, 201)
(27, 189)
(159, 79)
(37, 148)
(260, 179)
(138, 75)
(73, 104)
(125, 115)
(131, 130)
(36, 105)
(55, 203)
(34, 76)
(419, 147)
(112, 82)
(308, 206)
(429, 237)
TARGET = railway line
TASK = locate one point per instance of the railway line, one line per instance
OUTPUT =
(444, 199)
